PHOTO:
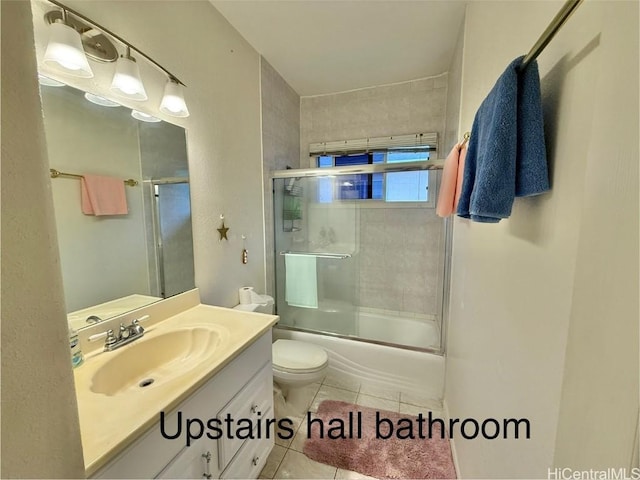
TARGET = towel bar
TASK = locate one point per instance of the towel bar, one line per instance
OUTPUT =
(56, 173)
(337, 256)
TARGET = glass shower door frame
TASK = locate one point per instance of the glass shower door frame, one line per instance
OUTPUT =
(447, 236)
(157, 229)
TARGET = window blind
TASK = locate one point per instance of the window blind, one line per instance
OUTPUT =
(411, 142)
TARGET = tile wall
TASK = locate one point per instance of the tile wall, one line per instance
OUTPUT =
(400, 247)
(280, 145)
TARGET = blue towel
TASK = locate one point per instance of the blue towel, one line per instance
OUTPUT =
(506, 157)
(301, 282)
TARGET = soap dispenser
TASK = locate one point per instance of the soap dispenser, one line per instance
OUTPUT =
(76, 353)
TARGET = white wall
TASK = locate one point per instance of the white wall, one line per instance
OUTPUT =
(536, 315)
(602, 349)
(221, 71)
(40, 431)
(454, 90)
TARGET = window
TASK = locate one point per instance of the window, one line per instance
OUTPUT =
(387, 187)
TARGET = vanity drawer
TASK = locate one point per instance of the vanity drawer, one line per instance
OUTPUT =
(195, 461)
(251, 458)
(252, 403)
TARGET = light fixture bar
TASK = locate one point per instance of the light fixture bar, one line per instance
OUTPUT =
(117, 37)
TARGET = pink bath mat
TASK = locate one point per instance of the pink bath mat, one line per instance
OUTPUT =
(358, 443)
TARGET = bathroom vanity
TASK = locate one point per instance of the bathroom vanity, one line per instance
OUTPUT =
(191, 399)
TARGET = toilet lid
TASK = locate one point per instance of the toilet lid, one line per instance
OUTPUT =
(298, 356)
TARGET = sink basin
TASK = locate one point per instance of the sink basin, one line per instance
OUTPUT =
(154, 361)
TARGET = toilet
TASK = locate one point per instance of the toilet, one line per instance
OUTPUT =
(295, 365)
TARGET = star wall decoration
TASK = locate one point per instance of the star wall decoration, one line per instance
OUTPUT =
(223, 232)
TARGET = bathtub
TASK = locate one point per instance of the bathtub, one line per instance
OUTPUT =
(408, 371)
(369, 324)
(414, 332)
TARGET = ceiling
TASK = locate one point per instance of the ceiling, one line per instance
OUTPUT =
(326, 46)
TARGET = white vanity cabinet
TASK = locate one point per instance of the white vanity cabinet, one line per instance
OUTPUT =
(199, 460)
(241, 390)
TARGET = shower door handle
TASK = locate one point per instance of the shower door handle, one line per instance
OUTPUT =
(337, 256)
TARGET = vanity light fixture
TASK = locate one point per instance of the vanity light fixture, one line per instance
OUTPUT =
(49, 82)
(98, 100)
(64, 50)
(126, 81)
(173, 100)
(144, 117)
(80, 37)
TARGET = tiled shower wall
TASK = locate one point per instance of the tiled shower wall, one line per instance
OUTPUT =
(397, 109)
(401, 255)
(400, 248)
(280, 145)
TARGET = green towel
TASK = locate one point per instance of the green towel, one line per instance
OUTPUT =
(301, 289)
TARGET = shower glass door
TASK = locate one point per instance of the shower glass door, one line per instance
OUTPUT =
(360, 253)
(316, 256)
(173, 235)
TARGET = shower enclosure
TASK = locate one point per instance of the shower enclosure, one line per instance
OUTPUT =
(172, 264)
(361, 254)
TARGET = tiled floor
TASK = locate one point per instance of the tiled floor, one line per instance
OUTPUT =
(287, 460)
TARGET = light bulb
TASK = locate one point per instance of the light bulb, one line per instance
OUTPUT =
(65, 51)
(173, 100)
(126, 81)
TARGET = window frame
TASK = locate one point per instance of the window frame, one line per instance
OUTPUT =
(432, 187)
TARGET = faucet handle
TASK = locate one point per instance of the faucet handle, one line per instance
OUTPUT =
(135, 325)
(111, 338)
(123, 332)
(136, 321)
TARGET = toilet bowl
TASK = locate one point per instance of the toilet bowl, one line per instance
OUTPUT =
(295, 365)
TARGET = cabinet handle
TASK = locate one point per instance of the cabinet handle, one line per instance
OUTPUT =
(255, 460)
(254, 408)
(207, 469)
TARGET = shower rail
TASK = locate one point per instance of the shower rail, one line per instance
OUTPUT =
(355, 169)
(339, 256)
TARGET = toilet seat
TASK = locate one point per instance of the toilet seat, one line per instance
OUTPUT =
(292, 356)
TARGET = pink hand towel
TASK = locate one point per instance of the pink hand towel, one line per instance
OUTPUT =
(103, 195)
(451, 183)
(463, 155)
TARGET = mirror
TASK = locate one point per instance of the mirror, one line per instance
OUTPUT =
(115, 263)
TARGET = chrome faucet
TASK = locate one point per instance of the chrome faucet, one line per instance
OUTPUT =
(93, 319)
(126, 334)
